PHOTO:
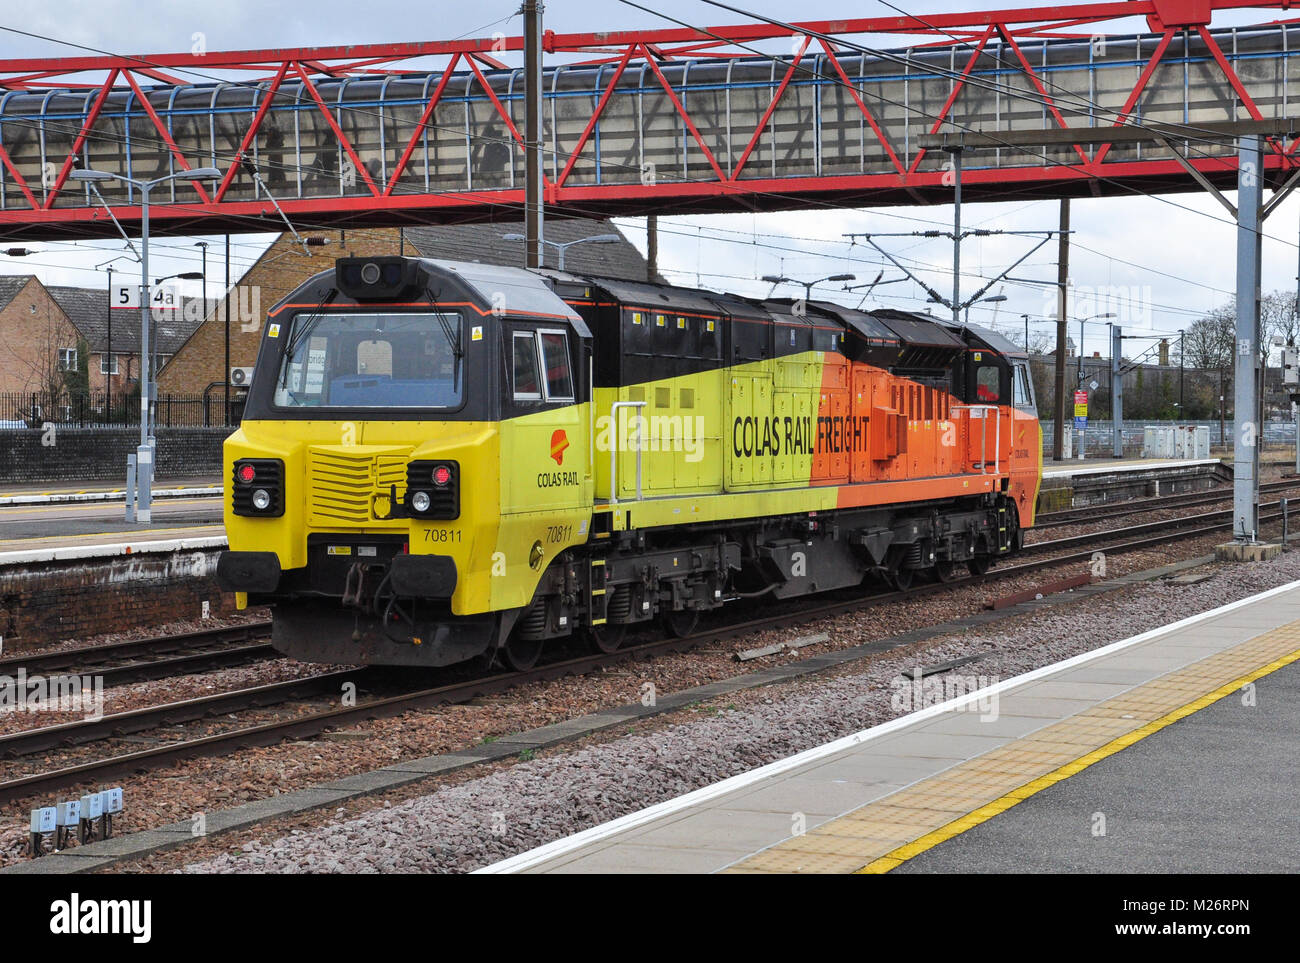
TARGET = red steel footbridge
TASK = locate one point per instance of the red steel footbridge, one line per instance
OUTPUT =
(756, 117)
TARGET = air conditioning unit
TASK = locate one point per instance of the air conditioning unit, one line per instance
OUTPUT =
(241, 377)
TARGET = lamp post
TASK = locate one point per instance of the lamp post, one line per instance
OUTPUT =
(871, 287)
(562, 246)
(143, 458)
(180, 306)
(808, 285)
(203, 246)
(993, 299)
(1182, 332)
(1082, 322)
(108, 351)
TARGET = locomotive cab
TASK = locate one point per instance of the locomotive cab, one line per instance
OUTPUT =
(413, 454)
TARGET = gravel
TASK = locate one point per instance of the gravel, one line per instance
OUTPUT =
(175, 793)
(485, 819)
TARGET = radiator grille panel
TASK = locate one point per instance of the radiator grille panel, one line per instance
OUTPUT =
(340, 487)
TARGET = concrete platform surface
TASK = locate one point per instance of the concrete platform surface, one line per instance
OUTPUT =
(1104, 464)
(878, 798)
(127, 540)
(1214, 793)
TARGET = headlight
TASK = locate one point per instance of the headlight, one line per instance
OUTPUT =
(433, 489)
(258, 487)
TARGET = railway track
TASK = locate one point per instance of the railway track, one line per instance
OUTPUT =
(1059, 552)
(138, 660)
(1191, 526)
(202, 650)
(1079, 516)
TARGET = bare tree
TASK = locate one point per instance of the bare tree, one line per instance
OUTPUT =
(1278, 317)
(1209, 339)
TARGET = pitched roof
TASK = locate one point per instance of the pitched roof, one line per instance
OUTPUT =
(87, 309)
(485, 243)
(10, 285)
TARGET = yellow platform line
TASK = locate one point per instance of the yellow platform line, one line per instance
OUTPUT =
(896, 857)
(881, 834)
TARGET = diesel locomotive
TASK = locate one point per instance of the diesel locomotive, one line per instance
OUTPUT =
(441, 460)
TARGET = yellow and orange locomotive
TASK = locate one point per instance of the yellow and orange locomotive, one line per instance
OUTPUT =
(444, 460)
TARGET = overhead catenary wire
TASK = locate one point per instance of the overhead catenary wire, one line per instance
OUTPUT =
(938, 71)
(515, 205)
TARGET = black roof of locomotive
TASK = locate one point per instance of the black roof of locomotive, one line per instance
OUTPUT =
(651, 295)
(917, 330)
(913, 332)
(988, 338)
(860, 322)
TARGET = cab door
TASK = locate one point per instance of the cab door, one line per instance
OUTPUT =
(544, 444)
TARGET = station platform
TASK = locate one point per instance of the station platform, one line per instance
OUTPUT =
(968, 784)
(1100, 481)
(53, 493)
(47, 525)
(1107, 465)
(128, 540)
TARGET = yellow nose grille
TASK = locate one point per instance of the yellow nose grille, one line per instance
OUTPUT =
(341, 487)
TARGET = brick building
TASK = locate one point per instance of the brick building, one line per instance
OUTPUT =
(46, 328)
(199, 364)
(37, 341)
(87, 309)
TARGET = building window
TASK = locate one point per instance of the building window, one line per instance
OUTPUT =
(108, 364)
(67, 359)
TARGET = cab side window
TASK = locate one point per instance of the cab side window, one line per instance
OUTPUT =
(527, 384)
(1022, 390)
(988, 388)
(540, 366)
(555, 362)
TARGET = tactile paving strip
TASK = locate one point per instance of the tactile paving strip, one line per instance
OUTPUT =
(883, 834)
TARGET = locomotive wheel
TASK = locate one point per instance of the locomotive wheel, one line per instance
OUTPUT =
(606, 638)
(680, 624)
(945, 570)
(902, 578)
(980, 564)
(522, 654)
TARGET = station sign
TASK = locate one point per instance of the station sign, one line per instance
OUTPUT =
(1081, 409)
(163, 297)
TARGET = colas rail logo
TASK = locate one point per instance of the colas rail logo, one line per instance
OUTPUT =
(557, 479)
(559, 442)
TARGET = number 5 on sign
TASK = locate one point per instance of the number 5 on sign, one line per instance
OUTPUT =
(126, 296)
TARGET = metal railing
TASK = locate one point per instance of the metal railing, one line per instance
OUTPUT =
(982, 415)
(36, 409)
(613, 449)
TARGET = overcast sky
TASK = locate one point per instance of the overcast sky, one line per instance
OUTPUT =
(1176, 253)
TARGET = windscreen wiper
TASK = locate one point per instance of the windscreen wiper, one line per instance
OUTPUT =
(300, 334)
(453, 340)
